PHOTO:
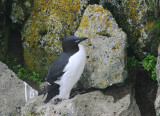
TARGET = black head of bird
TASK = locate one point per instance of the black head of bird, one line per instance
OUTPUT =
(71, 43)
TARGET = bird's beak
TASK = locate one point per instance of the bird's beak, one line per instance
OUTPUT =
(80, 39)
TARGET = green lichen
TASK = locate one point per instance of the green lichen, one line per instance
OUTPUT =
(17, 14)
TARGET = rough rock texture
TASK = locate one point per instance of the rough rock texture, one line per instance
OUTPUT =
(17, 14)
(157, 101)
(50, 21)
(137, 19)
(14, 93)
(106, 48)
(90, 104)
(158, 65)
(21, 10)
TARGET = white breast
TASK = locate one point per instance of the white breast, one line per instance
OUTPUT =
(73, 72)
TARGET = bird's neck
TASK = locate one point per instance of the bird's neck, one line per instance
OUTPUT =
(71, 49)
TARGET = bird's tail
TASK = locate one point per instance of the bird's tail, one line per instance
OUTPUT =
(52, 91)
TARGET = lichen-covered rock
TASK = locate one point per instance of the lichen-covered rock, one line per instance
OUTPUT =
(17, 14)
(90, 104)
(136, 19)
(21, 10)
(14, 93)
(105, 48)
(50, 21)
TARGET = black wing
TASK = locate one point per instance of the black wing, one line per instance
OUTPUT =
(57, 67)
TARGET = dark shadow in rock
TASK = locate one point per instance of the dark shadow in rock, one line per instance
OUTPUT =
(91, 2)
(121, 90)
(145, 92)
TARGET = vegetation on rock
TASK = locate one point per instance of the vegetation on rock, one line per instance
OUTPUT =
(22, 72)
(148, 63)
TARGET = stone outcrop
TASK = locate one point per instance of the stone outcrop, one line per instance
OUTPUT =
(89, 104)
(14, 93)
(105, 48)
(49, 22)
(137, 18)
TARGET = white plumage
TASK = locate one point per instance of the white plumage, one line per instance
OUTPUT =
(73, 71)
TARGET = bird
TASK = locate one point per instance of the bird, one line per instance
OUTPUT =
(66, 70)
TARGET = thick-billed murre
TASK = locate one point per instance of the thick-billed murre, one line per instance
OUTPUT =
(66, 70)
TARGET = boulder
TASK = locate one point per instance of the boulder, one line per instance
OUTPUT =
(14, 93)
(89, 104)
(137, 18)
(49, 22)
(105, 48)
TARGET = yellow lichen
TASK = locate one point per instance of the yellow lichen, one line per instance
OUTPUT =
(59, 18)
(103, 82)
(149, 25)
(114, 49)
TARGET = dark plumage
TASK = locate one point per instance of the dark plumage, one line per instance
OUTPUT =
(56, 72)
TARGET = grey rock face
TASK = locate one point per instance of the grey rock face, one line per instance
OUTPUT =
(106, 48)
(90, 104)
(157, 101)
(158, 65)
(14, 93)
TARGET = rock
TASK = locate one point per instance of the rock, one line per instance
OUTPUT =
(137, 19)
(106, 48)
(20, 12)
(89, 104)
(158, 65)
(14, 93)
(157, 102)
(17, 14)
(49, 22)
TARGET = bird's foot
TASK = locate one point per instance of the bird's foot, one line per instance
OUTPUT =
(78, 91)
(56, 101)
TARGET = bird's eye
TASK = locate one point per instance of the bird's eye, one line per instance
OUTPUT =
(77, 41)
